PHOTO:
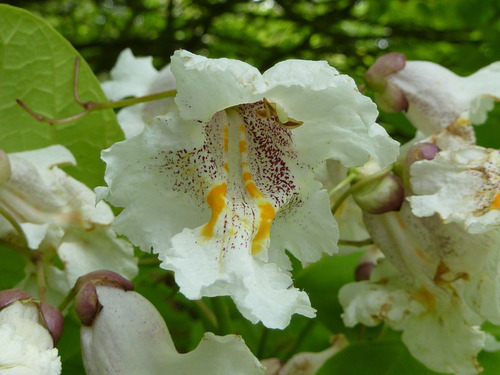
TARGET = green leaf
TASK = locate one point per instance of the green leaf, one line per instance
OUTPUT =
(381, 358)
(37, 66)
(11, 267)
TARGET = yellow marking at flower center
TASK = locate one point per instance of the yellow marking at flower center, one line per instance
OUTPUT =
(495, 205)
(216, 200)
(266, 209)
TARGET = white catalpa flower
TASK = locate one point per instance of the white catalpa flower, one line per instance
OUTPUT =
(222, 187)
(129, 336)
(26, 346)
(437, 284)
(57, 215)
(136, 76)
(433, 96)
(461, 185)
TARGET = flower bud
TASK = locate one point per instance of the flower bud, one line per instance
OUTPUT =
(421, 151)
(5, 170)
(367, 263)
(53, 320)
(387, 95)
(380, 196)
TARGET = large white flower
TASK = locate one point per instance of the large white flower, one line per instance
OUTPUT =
(433, 96)
(58, 216)
(461, 185)
(136, 76)
(437, 284)
(222, 187)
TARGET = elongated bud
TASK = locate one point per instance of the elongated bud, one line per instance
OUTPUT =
(5, 170)
(127, 335)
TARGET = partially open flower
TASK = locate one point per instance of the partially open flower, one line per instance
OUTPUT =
(129, 336)
(28, 333)
(222, 187)
(436, 96)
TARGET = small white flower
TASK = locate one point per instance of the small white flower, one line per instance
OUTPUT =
(136, 76)
(221, 188)
(26, 347)
(58, 216)
(129, 336)
(461, 185)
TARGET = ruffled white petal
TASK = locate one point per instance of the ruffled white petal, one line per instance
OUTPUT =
(130, 76)
(136, 76)
(26, 347)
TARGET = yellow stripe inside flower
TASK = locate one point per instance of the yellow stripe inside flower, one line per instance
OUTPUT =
(217, 200)
(495, 205)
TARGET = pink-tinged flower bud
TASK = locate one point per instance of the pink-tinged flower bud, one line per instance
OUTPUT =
(387, 95)
(53, 319)
(363, 271)
(104, 277)
(367, 263)
(380, 196)
(421, 151)
(87, 304)
(5, 170)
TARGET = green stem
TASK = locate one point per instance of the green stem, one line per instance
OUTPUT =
(67, 300)
(206, 316)
(262, 342)
(221, 311)
(362, 243)
(358, 185)
(302, 335)
(342, 184)
(10, 218)
(40, 277)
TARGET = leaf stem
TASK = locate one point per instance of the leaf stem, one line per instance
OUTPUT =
(92, 106)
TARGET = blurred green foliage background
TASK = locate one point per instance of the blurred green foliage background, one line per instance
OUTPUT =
(459, 34)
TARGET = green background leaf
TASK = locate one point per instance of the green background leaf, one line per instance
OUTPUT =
(37, 66)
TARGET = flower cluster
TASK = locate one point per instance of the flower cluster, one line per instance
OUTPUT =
(439, 280)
